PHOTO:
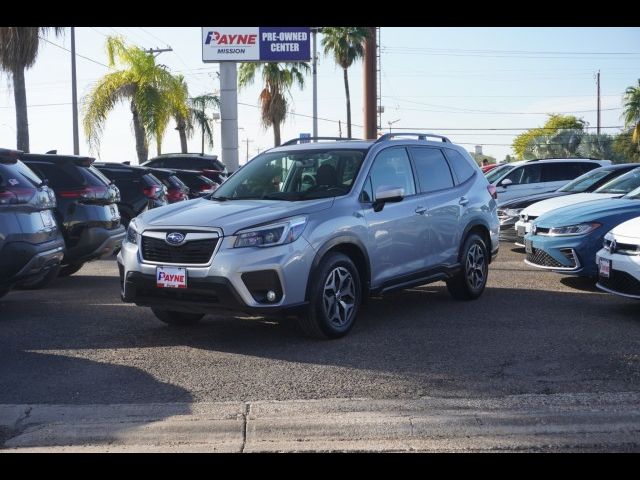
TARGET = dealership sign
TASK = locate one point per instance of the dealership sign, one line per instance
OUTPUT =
(256, 44)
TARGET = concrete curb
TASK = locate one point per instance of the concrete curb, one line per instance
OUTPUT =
(559, 422)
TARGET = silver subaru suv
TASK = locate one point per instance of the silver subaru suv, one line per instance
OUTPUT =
(313, 229)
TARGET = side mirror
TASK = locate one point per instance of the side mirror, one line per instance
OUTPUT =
(505, 183)
(386, 193)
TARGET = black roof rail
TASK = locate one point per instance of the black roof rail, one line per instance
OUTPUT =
(421, 136)
(294, 141)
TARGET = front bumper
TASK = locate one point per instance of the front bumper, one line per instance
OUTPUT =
(573, 255)
(222, 283)
(507, 228)
(520, 230)
(624, 277)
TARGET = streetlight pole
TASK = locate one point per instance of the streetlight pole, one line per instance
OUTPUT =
(314, 70)
(74, 94)
(392, 122)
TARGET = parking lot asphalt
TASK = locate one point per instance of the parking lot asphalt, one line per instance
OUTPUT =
(532, 332)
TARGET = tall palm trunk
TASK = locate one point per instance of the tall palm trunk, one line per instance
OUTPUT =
(141, 139)
(276, 134)
(158, 146)
(182, 131)
(346, 90)
(22, 120)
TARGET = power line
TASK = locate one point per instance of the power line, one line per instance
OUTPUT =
(527, 52)
(77, 54)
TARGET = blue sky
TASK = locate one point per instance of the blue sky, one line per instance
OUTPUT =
(442, 79)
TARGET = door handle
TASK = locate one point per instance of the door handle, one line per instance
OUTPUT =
(421, 210)
(463, 201)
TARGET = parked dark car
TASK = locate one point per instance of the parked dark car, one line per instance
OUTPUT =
(139, 189)
(177, 191)
(198, 184)
(86, 210)
(509, 211)
(31, 244)
(208, 165)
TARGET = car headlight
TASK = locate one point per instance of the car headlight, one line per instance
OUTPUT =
(579, 229)
(280, 233)
(513, 212)
(132, 232)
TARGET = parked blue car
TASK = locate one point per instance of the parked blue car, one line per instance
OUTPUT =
(566, 240)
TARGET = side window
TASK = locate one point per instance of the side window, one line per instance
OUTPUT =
(432, 169)
(555, 172)
(392, 168)
(462, 167)
(367, 193)
(524, 175)
(587, 167)
(159, 163)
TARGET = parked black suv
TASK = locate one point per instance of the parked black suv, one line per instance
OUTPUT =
(198, 184)
(31, 244)
(139, 189)
(208, 165)
(87, 209)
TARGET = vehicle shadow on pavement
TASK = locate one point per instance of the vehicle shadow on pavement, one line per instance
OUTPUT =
(408, 344)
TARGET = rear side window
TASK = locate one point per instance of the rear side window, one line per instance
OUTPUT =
(461, 166)
(525, 175)
(555, 172)
(392, 169)
(432, 169)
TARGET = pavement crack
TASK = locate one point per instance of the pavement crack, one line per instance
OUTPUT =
(245, 421)
(7, 433)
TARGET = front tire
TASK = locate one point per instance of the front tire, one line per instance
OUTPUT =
(335, 298)
(178, 319)
(470, 282)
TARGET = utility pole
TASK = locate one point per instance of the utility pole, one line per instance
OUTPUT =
(340, 128)
(74, 94)
(370, 90)
(392, 122)
(247, 140)
(598, 82)
(314, 70)
(159, 50)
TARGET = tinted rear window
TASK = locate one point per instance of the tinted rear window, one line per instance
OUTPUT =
(432, 169)
(18, 175)
(151, 180)
(68, 175)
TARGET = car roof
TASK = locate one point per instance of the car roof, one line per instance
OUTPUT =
(185, 155)
(56, 158)
(121, 166)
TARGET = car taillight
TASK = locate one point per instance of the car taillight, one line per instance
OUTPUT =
(16, 195)
(208, 188)
(152, 192)
(85, 193)
(175, 195)
(492, 191)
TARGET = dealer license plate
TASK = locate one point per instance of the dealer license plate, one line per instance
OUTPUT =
(604, 267)
(47, 218)
(528, 246)
(171, 277)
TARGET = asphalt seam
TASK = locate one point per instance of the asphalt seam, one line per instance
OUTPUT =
(245, 421)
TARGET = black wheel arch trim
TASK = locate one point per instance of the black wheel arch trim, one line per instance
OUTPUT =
(365, 279)
(475, 223)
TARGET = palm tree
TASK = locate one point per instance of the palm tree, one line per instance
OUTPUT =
(197, 115)
(18, 51)
(632, 111)
(151, 90)
(346, 44)
(278, 79)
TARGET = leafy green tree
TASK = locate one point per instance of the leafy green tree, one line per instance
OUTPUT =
(346, 44)
(18, 51)
(631, 112)
(599, 147)
(626, 148)
(554, 123)
(278, 79)
(152, 91)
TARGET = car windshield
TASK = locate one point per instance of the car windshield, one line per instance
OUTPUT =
(498, 172)
(294, 175)
(583, 182)
(635, 194)
(622, 184)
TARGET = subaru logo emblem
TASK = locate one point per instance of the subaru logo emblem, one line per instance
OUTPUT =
(175, 238)
(613, 246)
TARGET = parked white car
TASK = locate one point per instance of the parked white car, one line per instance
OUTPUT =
(619, 261)
(616, 188)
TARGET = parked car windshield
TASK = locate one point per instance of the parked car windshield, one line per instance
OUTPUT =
(635, 194)
(294, 175)
(498, 172)
(583, 182)
(622, 184)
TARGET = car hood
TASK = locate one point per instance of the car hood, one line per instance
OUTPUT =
(589, 212)
(228, 215)
(523, 202)
(540, 208)
(628, 231)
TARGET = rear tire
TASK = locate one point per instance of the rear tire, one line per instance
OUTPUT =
(470, 282)
(49, 277)
(335, 298)
(70, 269)
(178, 319)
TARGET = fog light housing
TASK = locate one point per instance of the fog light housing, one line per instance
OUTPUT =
(271, 296)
